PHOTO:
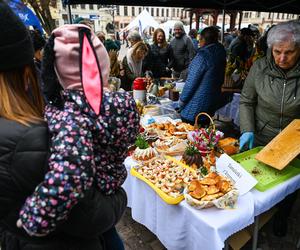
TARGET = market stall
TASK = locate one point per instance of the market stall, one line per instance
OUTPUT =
(180, 225)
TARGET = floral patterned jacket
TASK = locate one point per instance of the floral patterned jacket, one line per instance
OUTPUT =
(86, 150)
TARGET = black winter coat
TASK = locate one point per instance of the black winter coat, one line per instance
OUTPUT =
(160, 60)
(23, 164)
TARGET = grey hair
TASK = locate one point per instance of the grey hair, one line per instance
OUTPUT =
(284, 32)
(134, 36)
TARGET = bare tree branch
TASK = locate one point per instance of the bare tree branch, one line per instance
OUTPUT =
(42, 10)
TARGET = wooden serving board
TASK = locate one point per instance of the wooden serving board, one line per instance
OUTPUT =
(283, 148)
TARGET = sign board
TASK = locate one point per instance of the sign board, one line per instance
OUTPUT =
(229, 168)
(94, 17)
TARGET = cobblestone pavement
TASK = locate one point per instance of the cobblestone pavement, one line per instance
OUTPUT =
(138, 237)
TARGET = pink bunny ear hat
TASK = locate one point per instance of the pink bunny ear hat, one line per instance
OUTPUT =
(81, 61)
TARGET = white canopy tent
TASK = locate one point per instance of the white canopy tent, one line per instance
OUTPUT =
(142, 21)
(168, 27)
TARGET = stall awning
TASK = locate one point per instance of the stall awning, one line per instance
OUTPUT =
(283, 6)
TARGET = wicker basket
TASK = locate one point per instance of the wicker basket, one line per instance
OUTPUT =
(227, 201)
(212, 125)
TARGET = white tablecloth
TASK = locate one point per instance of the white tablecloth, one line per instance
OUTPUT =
(181, 226)
(263, 201)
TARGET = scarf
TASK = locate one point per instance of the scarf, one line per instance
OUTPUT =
(135, 67)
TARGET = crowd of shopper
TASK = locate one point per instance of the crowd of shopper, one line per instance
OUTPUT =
(61, 165)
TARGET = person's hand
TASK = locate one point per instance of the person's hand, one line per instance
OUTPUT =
(247, 138)
(20, 225)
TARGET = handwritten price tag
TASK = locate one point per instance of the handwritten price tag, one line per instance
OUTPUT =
(229, 168)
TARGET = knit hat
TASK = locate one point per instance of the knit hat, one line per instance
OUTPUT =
(178, 25)
(16, 48)
(80, 61)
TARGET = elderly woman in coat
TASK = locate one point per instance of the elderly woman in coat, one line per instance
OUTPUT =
(202, 91)
(270, 99)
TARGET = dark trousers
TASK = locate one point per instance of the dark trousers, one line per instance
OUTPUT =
(112, 240)
(285, 206)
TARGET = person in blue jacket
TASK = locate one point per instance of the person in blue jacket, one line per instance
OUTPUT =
(202, 91)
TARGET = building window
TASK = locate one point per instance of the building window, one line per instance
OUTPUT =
(82, 6)
(246, 14)
(118, 10)
(250, 14)
(157, 12)
(258, 14)
(278, 15)
(162, 12)
(167, 12)
(173, 12)
(125, 11)
(177, 12)
(99, 6)
(140, 10)
(269, 17)
(91, 6)
(73, 6)
(147, 9)
(132, 11)
(282, 16)
(65, 18)
(152, 11)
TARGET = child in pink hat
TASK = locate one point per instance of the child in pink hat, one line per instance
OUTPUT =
(91, 128)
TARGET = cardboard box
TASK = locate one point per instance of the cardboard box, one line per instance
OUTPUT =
(239, 239)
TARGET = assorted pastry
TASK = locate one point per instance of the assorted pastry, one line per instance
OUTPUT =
(228, 145)
(212, 187)
(178, 129)
(192, 157)
(198, 159)
(167, 175)
(170, 145)
(143, 151)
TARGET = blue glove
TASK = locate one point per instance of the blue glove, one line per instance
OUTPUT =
(247, 138)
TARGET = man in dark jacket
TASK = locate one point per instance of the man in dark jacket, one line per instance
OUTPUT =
(183, 51)
(202, 90)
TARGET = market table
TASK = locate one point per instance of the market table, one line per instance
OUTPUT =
(183, 227)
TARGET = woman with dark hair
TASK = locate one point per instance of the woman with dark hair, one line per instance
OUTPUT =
(24, 150)
(160, 54)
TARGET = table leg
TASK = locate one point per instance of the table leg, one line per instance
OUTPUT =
(255, 233)
(226, 245)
